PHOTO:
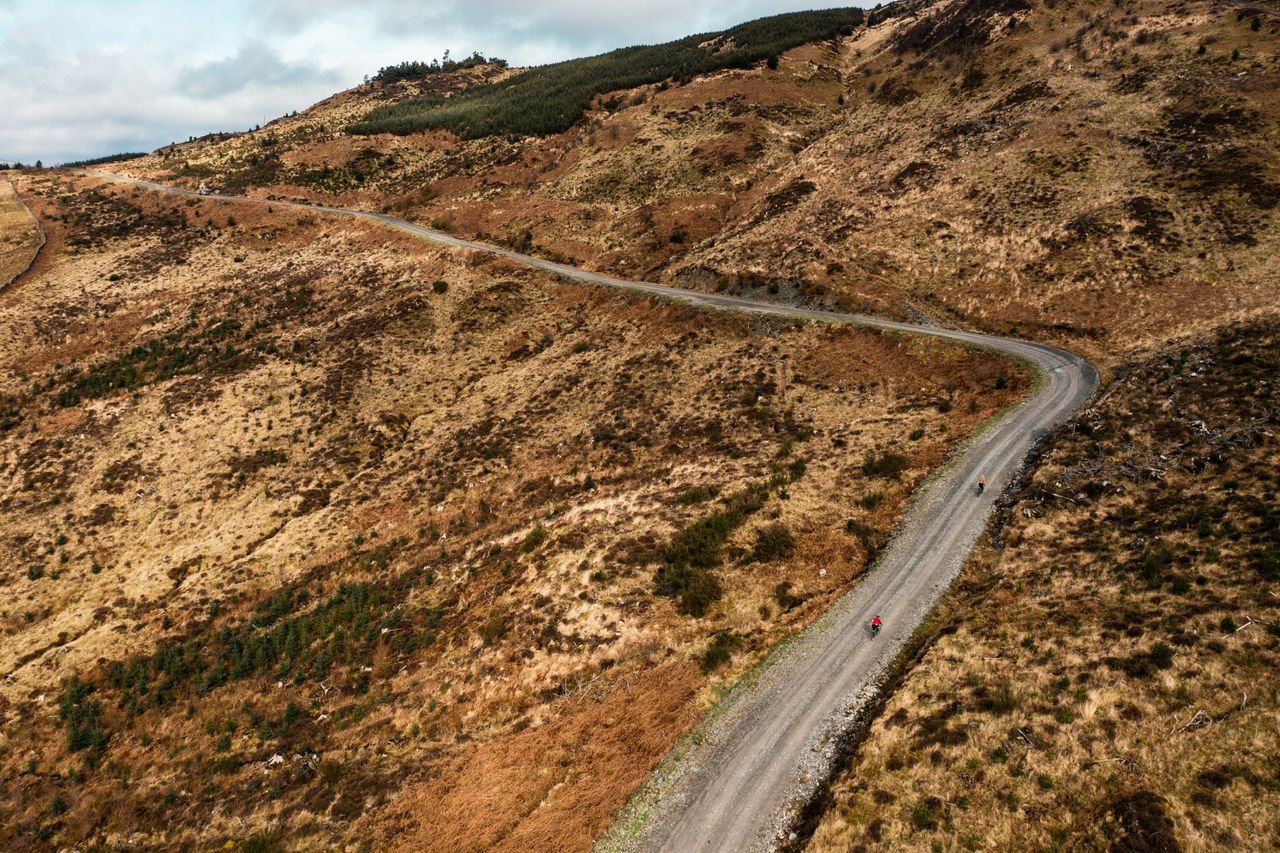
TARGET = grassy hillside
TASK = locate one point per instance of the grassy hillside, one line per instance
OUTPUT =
(1106, 679)
(316, 534)
(19, 235)
(584, 503)
(551, 98)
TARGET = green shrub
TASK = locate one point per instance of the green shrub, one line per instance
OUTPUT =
(924, 815)
(533, 539)
(82, 718)
(1266, 561)
(773, 542)
(1154, 563)
(888, 465)
(719, 652)
(694, 551)
(783, 596)
(916, 434)
(871, 500)
(697, 495)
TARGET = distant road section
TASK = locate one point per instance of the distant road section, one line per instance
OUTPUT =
(774, 740)
(21, 237)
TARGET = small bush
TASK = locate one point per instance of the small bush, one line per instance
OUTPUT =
(533, 539)
(58, 806)
(494, 630)
(1227, 625)
(1266, 561)
(1154, 563)
(1003, 699)
(696, 495)
(871, 500)
(916, 434)
(773, 542)
(1162, 655)
(924, 814)
(888, 465)
(440, 286)
(719, 652)
(783, 596)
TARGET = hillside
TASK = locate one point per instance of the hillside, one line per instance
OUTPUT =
(1104, 677)
(20, 237)
(306, 524)
(1079, 171)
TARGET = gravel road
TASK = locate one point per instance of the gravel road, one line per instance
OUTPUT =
(773, 741)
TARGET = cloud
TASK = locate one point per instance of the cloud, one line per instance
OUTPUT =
(254, 65)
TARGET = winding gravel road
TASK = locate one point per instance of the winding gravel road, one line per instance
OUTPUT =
(773, 740)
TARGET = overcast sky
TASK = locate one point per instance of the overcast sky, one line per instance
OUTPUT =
(82, 79)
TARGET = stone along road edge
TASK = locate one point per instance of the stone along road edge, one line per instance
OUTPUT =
(774, 740)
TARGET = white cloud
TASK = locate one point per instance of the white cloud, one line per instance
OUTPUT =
(253, 66)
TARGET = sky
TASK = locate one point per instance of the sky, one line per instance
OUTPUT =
(83, 79)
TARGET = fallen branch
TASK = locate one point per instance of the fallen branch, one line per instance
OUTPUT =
(1198, 721)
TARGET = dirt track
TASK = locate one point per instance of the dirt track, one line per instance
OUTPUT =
(773, 739)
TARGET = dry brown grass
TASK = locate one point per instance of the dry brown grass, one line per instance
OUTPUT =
(365, 428)
(1094, 683)
(19, 235)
